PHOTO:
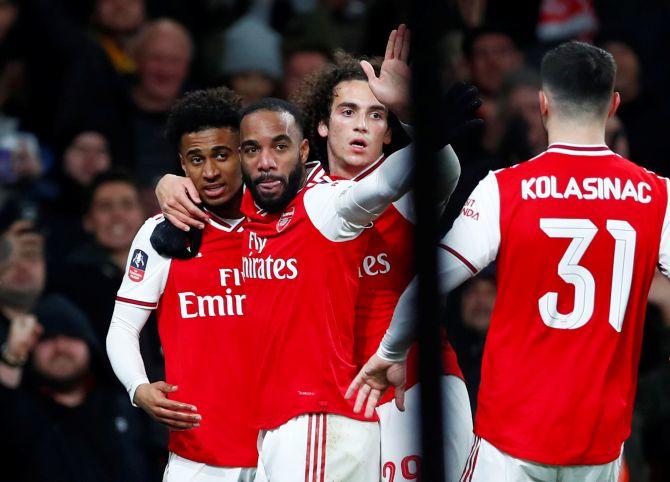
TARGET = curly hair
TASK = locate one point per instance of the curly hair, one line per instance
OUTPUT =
(315, 97)
(203, 109)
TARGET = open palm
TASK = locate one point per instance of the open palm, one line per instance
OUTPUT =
(391, 88)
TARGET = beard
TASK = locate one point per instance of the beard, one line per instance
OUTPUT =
(278, 203)
(62, 384)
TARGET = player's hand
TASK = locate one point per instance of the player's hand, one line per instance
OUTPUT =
(152, 397)
(178, 199)
(459, 107)
(373, 380)
(391, 88)
(24, 331)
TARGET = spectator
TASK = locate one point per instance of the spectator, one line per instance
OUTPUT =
(518, 120)
(642, 113)
(61, 425)
(93, 271)
(116, 24)
(86, 155)
(299, 62)
(163, 54)
(491, 53)
(467, 331)
(252, 59)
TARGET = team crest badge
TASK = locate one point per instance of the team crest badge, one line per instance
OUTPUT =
(284, 219)
(138, 265)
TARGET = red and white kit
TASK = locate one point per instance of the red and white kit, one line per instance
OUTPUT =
(385, 272)
(577, 233)
(200, 305)
(301, 273)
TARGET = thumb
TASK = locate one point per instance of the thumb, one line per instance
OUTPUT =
(400, 398)
(166, 387)
(369, 70)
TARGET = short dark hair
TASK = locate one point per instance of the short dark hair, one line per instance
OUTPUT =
(579, 76)
(113, 175)
(203, 109)
(273, 104)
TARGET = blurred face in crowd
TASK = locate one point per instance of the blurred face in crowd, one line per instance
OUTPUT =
(163, 57)
(8, 13)
(627, 80)
(211, 159)
(357, 128)
(62, 360)
(120, 16)
(273, 153)
(22, 283)
(115, 215)
(477, 304)
(252, 86)
(87, 156)
(298, 66)
(615, 136)
(493, 56)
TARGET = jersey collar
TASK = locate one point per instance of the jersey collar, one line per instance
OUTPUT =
(580, 149)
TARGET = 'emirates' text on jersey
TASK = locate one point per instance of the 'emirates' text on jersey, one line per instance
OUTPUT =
(577, 233)
(385, 271)
(301, 274)
(200, 305)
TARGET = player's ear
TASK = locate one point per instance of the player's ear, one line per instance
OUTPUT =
(614, 104)
(304, 150)
(322, 129)
(544, 103)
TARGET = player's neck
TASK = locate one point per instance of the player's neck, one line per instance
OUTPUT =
(575, 132)
(230, 210)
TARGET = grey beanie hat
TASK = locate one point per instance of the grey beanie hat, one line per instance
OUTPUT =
(250, 45)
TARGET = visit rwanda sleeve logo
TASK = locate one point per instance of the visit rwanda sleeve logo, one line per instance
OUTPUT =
(138, 265)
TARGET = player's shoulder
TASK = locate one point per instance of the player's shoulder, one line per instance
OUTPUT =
(148, 227)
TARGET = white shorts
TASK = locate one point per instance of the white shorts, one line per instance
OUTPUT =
(179, 469)
(486, 463)
(400, 440)
(319, 448)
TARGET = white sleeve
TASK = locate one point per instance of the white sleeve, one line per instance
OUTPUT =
(448, 173)
(142, 286)
(123, 346)
(342, 209)
(475, 236)
(470, 245)
(146, 271)
(664, 251)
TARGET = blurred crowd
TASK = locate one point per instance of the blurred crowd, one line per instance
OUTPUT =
(85, 88)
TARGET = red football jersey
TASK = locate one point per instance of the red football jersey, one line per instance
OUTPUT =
(577, 232)
(301, 277)
(386, 270)
(201, 305)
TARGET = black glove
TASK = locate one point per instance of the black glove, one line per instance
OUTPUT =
(172, 242)
(458, 113)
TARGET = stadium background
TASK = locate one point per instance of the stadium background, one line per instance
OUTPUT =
(85, 86)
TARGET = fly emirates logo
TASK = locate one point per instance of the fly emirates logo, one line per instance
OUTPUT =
(256, 267)
(226, 304)
(589, 188)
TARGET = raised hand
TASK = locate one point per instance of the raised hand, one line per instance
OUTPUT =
(24, 331)
(152, 397)
(391, 88)
(372, 381)
(177, 197)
